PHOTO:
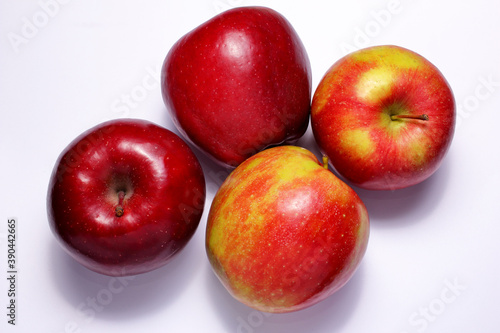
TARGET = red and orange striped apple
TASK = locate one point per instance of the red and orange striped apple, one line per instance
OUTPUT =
(283, 232)
(384, 116)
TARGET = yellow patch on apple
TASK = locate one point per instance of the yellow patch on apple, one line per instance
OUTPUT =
(396, 58)
(318, 102)
(358, 142)
(375, 85)
(296, 171)
(418, 151)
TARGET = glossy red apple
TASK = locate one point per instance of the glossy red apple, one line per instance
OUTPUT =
(283, 232)
(384, 116)
(125, 197)
(239, 83)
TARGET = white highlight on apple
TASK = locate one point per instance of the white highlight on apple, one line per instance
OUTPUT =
(425, 315)
(380, 20)
(39, 20)
(483, 91)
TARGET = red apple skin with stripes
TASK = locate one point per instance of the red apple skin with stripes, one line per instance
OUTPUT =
(283, 232)
(384, 116)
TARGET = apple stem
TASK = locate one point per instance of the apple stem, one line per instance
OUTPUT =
(119, 209)
(410, 116)
(325, 162)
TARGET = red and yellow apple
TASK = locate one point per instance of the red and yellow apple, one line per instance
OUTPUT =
(283, 232)
(239, 83)
(384, 116)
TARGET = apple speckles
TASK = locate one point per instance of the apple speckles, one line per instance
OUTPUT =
(241, 58)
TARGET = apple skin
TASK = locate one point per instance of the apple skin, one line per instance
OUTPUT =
(238, 83)
(351, 117)
(163, 189)
(283, 232)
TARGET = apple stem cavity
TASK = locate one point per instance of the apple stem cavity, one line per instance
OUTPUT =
(410, 116)
(119, 209)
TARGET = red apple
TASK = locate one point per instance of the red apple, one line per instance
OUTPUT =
(125, 197)
(283, 232)
(239, 83)
(384, 116)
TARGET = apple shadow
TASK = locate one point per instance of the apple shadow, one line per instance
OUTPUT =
(329, 315)
(398, 208)
(122, 298)
(308, 142)
(407, 206)
(214, 172)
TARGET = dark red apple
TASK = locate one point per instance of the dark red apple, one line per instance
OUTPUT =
(125, 197)
(239, 83)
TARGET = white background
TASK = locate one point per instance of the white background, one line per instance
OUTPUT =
(432, 263)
